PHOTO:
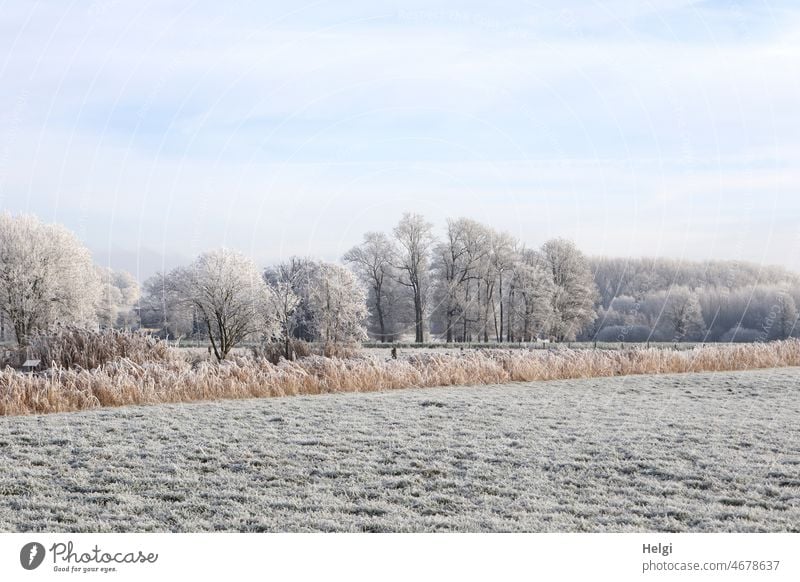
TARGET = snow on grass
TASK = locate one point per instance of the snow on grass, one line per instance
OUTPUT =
(690, 452)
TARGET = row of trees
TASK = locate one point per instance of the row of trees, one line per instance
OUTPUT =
(478, 284)
(475, 284)
(47, 277)
(224, 297)
(472, 284)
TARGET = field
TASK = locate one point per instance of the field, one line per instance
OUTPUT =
(702, 452)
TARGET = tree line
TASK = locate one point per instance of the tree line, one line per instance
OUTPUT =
(225, 298)
(479, 284)
(472, 284)
(669, 300)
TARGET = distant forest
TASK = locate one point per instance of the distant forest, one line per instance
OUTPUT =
(666, 300)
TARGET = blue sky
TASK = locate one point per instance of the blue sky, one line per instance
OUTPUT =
(156, 130)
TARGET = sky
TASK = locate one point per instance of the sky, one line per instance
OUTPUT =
(157, 130)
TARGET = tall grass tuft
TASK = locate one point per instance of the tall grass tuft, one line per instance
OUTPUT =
(132, 379)
(73, 347)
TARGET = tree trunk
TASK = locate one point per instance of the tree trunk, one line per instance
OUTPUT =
(526, 325)
(466, 314)
(418, 317)
(213, 343)
(498, 332)
(379, 309)
(500, 335)
(22, 338)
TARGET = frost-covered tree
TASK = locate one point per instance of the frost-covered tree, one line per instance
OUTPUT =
(338, 305)
(782, 320)
(282, 305)
(485, 293)
(161, 308)
(230, 296)
(674, 314)
(318, 301)
(734, 313)
(372, 261)
(414, 238)
(456, 263)
(533, 292)
(683, 314)
(118, 295)
(637, 277)
(575, 291)
(295, 275)
(503, 256)
(46, 276)
(4, 327)
(109, 304)
(398, 308)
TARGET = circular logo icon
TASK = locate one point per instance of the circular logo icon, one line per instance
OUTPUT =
(31, 556)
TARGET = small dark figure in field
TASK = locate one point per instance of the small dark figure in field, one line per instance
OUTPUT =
(394, 353)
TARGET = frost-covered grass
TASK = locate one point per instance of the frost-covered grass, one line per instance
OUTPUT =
(690, 452)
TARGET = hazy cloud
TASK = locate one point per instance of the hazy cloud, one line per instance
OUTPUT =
(632, 127)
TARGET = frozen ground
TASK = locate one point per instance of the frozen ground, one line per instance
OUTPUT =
(699, 452)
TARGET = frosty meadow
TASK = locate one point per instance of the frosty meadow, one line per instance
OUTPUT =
(697, 452)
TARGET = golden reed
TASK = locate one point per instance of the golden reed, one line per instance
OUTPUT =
(170, 377)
